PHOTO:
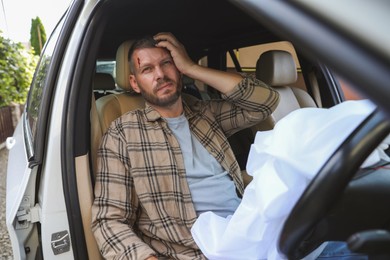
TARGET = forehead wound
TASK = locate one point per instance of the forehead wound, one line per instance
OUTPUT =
(140, 56)
(136, 60)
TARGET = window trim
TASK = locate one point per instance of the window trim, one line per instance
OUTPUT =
(35, 147)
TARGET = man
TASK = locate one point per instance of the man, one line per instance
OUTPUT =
(160, 167)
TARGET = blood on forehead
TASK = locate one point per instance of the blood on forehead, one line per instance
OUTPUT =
(150, 57)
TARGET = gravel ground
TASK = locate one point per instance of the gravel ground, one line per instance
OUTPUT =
(5, 245)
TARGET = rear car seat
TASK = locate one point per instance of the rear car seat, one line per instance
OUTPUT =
(190, 87)
(103, 84)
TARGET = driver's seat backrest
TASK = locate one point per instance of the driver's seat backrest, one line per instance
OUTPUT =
(277, 68)
(112, 106)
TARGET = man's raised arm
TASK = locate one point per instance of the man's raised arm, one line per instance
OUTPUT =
(222, 81)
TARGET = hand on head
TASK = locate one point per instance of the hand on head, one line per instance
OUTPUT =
(182, 61)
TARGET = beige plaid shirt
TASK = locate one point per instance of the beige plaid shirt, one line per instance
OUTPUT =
(142, 201)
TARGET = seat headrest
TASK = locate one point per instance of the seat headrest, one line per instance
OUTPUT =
(122, 66)
(276, 68)
(103, 81)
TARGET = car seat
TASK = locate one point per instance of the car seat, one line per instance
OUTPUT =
(277, 69)
(103, 84)
(112, 106)
(190, 87)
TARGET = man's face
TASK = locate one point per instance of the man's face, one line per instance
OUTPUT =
(156, 76)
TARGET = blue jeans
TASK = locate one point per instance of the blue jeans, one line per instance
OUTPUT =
(339, 250)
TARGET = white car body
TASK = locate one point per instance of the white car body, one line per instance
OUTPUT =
(38, 216)
(50, 210)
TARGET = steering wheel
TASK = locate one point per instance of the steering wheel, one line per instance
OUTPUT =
(328, 185)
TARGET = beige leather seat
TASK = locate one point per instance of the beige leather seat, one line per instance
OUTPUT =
(109, 107)
(112, 106)
(277, 68)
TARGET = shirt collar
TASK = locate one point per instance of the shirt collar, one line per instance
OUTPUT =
(152, 115)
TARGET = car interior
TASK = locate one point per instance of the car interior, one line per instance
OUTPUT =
(216, 37)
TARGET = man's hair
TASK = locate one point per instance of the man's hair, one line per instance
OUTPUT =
(142, 43)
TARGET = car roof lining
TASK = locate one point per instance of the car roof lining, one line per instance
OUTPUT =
(196, 27)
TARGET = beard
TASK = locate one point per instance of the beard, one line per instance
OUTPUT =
(167, 100)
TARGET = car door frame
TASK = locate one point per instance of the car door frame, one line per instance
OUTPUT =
(41, 169)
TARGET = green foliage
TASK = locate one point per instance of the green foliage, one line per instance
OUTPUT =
(37, 35)
(16, 71)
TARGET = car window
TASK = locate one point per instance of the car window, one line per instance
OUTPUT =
(106, 66)
(34, 101)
